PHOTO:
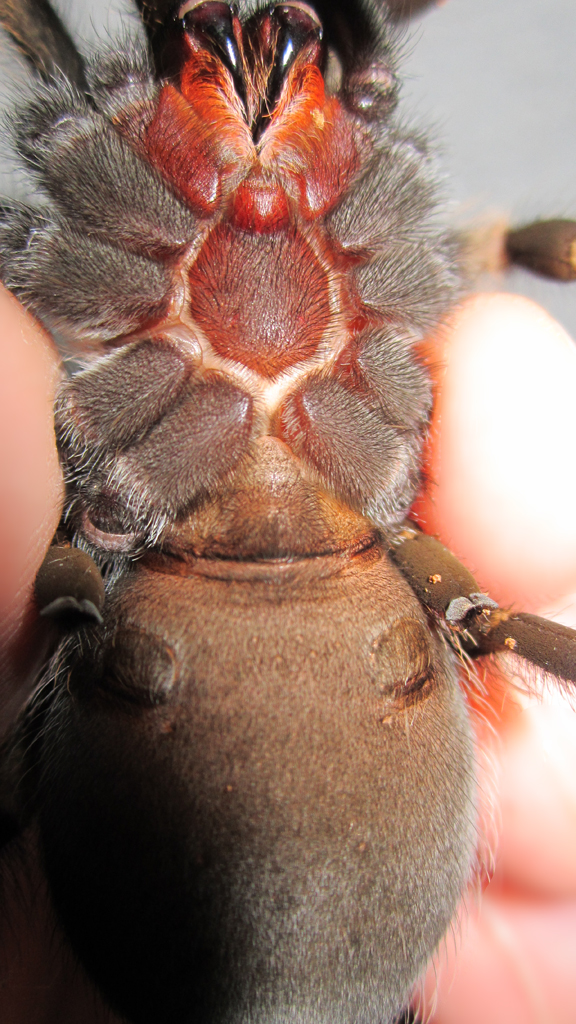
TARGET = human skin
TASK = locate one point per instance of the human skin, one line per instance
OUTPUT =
(500, 494)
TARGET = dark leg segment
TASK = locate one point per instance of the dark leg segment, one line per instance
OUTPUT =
(547, 644)
(479, 627)
(69, 587)
(441, 583)
(40, 36)
(547, 247)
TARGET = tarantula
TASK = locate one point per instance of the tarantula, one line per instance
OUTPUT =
(246, 772)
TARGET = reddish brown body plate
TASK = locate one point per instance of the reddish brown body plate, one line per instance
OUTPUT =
(266, 289)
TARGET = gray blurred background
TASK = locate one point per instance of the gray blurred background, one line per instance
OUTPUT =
(496, 81)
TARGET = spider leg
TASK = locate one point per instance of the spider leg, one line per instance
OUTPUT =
(69, 587)
(549, 645)
(40, 36)
(441, 583)
(472, 619)
(546, 247)
(69, 590)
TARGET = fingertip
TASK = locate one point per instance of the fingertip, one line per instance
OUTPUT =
(501, 486)
(510, 963)
(30, 477)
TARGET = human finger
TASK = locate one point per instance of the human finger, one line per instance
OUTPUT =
(30, 481)
(500, 477)
(501, 484)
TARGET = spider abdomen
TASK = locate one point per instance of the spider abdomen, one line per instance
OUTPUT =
(243, 814)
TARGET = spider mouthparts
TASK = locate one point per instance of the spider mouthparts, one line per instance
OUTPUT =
(260, 54)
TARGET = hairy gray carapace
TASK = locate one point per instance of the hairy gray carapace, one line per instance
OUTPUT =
(247, 774)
